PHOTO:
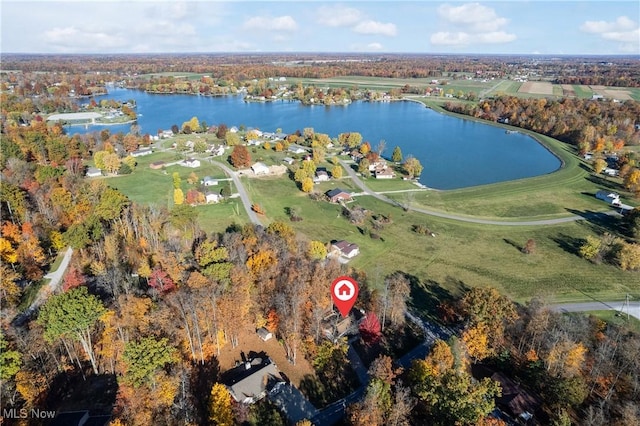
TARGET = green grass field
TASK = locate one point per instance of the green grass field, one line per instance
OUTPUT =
(615, 317)
(583, 92)
(461, 254)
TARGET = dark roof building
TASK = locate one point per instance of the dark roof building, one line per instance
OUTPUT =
(252, 380)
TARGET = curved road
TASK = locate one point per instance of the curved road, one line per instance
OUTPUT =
(633, 308)
(253, 217)
(451, 216)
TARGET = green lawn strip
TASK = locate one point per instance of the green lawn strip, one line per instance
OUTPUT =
(461, 254)
(396, 184)
(615, 317)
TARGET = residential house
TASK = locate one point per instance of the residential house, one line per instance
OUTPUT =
(345, 248)
(141, 152)
(94, 172)
(260, 168)
(384, 173)
(191, 162)
(212, 197)
(288, 160)
(250, 381)
(296, 149)
(157, 165)
(514, 400)
(209, 181)
(609, 171)
(321, 176)
(337, 195)
(609, 197)
(216, 150)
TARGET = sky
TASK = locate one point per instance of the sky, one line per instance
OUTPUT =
(542, 27)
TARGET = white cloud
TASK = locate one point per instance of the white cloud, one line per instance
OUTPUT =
(375, 27)
(473, 16)
(71, 39)
(338, 16)
(598, 27)
(622, 30)
(444, 38)
(280, 23)
(473, 24)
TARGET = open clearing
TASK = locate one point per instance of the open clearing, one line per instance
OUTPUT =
(537, 87)
(612, 93)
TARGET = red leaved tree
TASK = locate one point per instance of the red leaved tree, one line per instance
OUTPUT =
(72, 279)
(370, 329)
(161, 281)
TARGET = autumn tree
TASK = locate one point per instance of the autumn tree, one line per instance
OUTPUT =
(220, 411)
(529, 247)
(336, 171)
(307, 185)
(396, 156)
(451, 395)
(317, 250)
(370, 329)
(412, 167)
(232, 139)
(599, 165)
(240, 156)
(72, 315)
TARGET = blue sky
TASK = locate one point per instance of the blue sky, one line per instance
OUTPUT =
(494, 27)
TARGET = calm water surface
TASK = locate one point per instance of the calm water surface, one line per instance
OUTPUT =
(455, 153)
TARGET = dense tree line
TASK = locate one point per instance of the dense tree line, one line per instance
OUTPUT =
(620, 71)
(590, 125)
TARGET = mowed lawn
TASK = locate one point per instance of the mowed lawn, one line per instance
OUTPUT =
(460, 254)
(148, 186)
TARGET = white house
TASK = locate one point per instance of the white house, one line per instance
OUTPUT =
(288, 160)
(609, 171)
(141, 152)
(94, 172)
(191, 162)
(345, 248)
(321, 176)
(209, 181)
(296, 149)
(212, 197)
(608, 196)
(260, 169)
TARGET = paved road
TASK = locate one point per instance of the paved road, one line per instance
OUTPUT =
(632, 309)
(55, 277)
(253, 217)
(379, 196)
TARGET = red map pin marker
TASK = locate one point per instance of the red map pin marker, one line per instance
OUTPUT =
(344, 292)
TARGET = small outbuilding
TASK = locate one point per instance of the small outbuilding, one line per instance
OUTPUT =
(260, 169)
(264, 334)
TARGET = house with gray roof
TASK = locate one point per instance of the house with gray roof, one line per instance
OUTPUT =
(252, 380)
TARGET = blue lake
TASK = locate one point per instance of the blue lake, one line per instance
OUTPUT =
(455, 153)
